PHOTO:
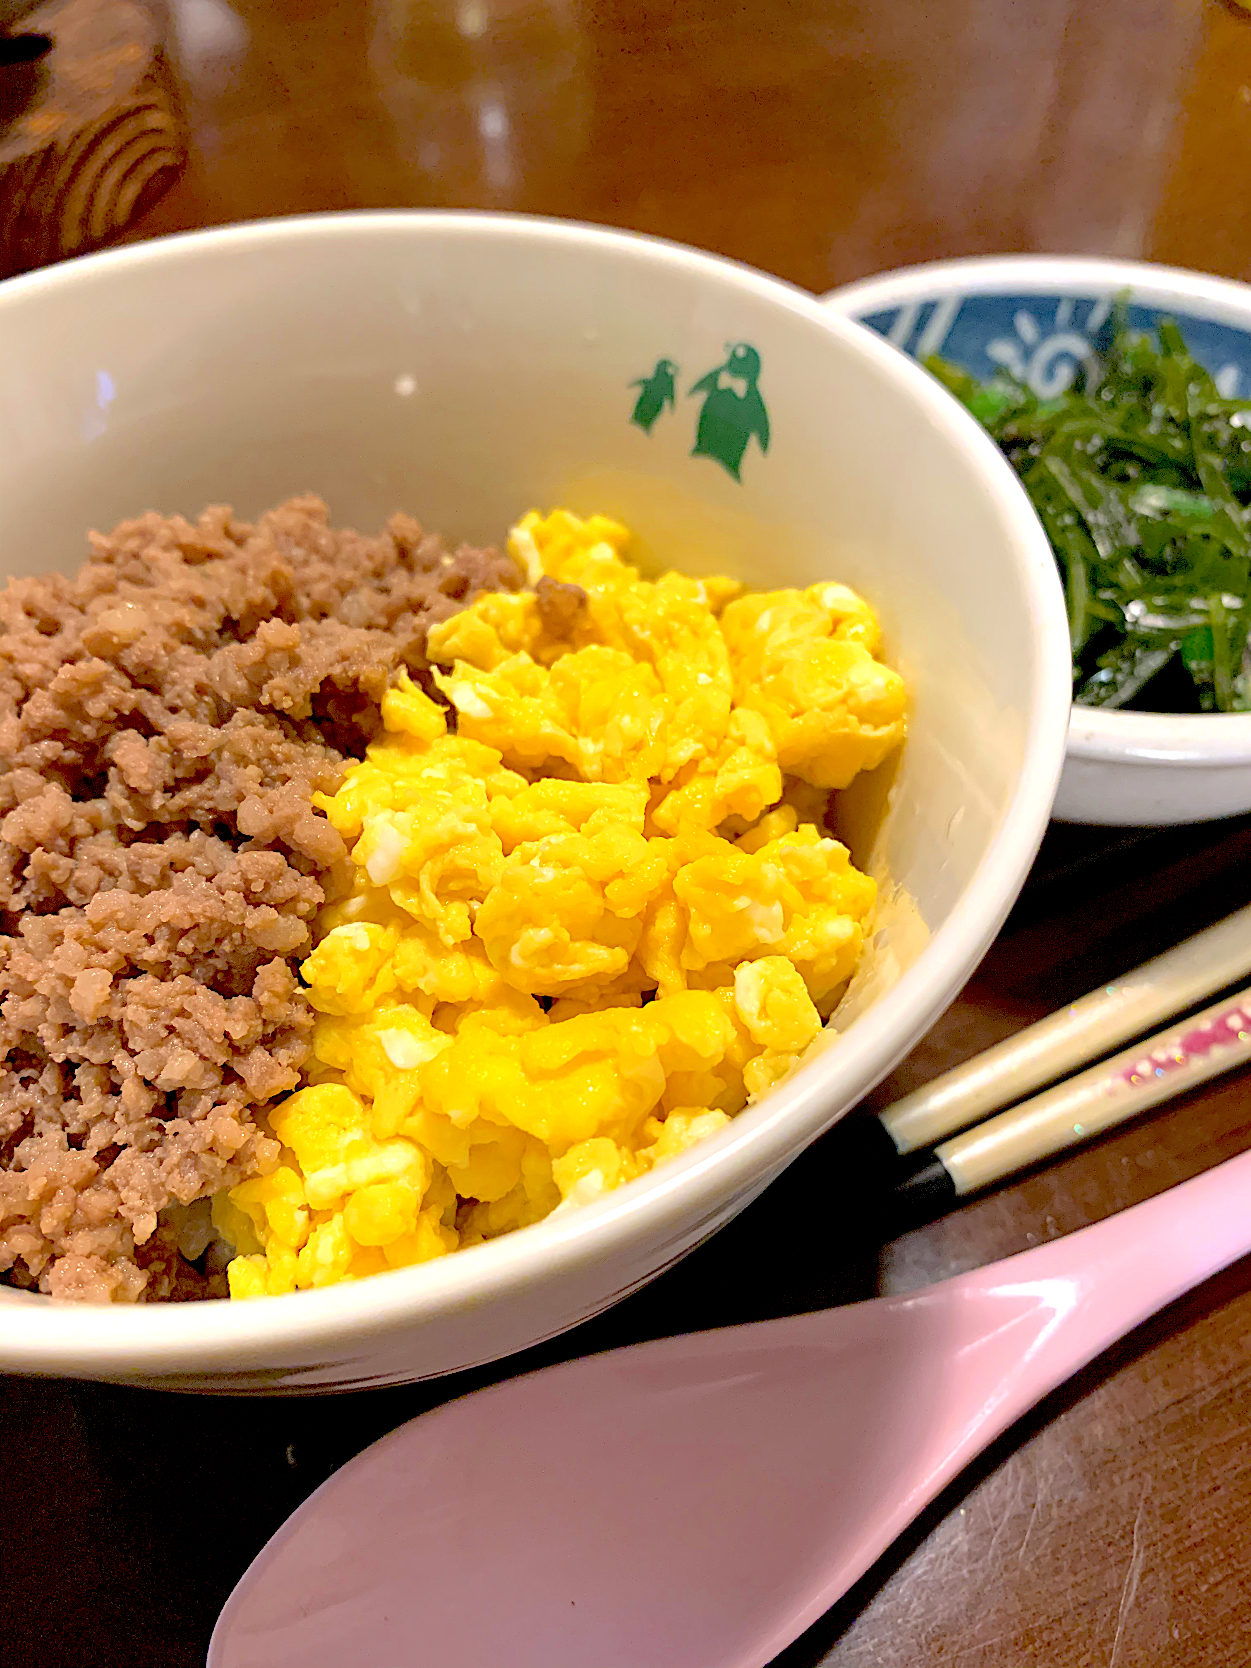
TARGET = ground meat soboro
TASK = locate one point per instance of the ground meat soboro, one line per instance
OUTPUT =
(164, 720)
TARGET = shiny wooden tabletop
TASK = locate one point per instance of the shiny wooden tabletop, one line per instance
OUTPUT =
(822, 140)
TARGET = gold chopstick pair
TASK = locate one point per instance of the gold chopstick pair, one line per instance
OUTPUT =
(946, 1153)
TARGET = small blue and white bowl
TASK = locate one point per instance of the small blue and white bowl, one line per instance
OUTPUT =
(1041, 316)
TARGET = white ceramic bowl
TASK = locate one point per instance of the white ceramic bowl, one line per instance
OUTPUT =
(1039, 315)
(466, 367)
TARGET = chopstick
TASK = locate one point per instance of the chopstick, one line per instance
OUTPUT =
(1168, 984)
(893, 1143)
(1152, 1071)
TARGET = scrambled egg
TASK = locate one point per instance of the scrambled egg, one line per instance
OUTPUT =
(587, 925)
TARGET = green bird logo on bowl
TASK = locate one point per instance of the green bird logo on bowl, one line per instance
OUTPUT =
(656, 392)
(733, 410)
(731, 414)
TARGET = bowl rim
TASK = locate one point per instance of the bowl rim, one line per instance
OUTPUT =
(169, 1341)
(1175, 740)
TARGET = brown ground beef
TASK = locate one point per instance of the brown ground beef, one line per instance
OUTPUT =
(164, 719)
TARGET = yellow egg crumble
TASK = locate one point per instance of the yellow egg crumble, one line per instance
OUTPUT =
(586, 928)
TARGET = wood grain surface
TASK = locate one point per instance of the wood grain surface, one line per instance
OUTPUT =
(89, 129)
(822, 140)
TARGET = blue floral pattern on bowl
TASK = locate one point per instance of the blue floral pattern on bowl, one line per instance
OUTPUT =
(1045, 338)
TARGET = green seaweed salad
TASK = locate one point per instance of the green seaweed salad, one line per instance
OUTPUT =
(1141, 475)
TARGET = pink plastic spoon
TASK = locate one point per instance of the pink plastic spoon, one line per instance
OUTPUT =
(699, 1501)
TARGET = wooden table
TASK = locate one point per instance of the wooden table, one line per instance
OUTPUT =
(821, 139)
